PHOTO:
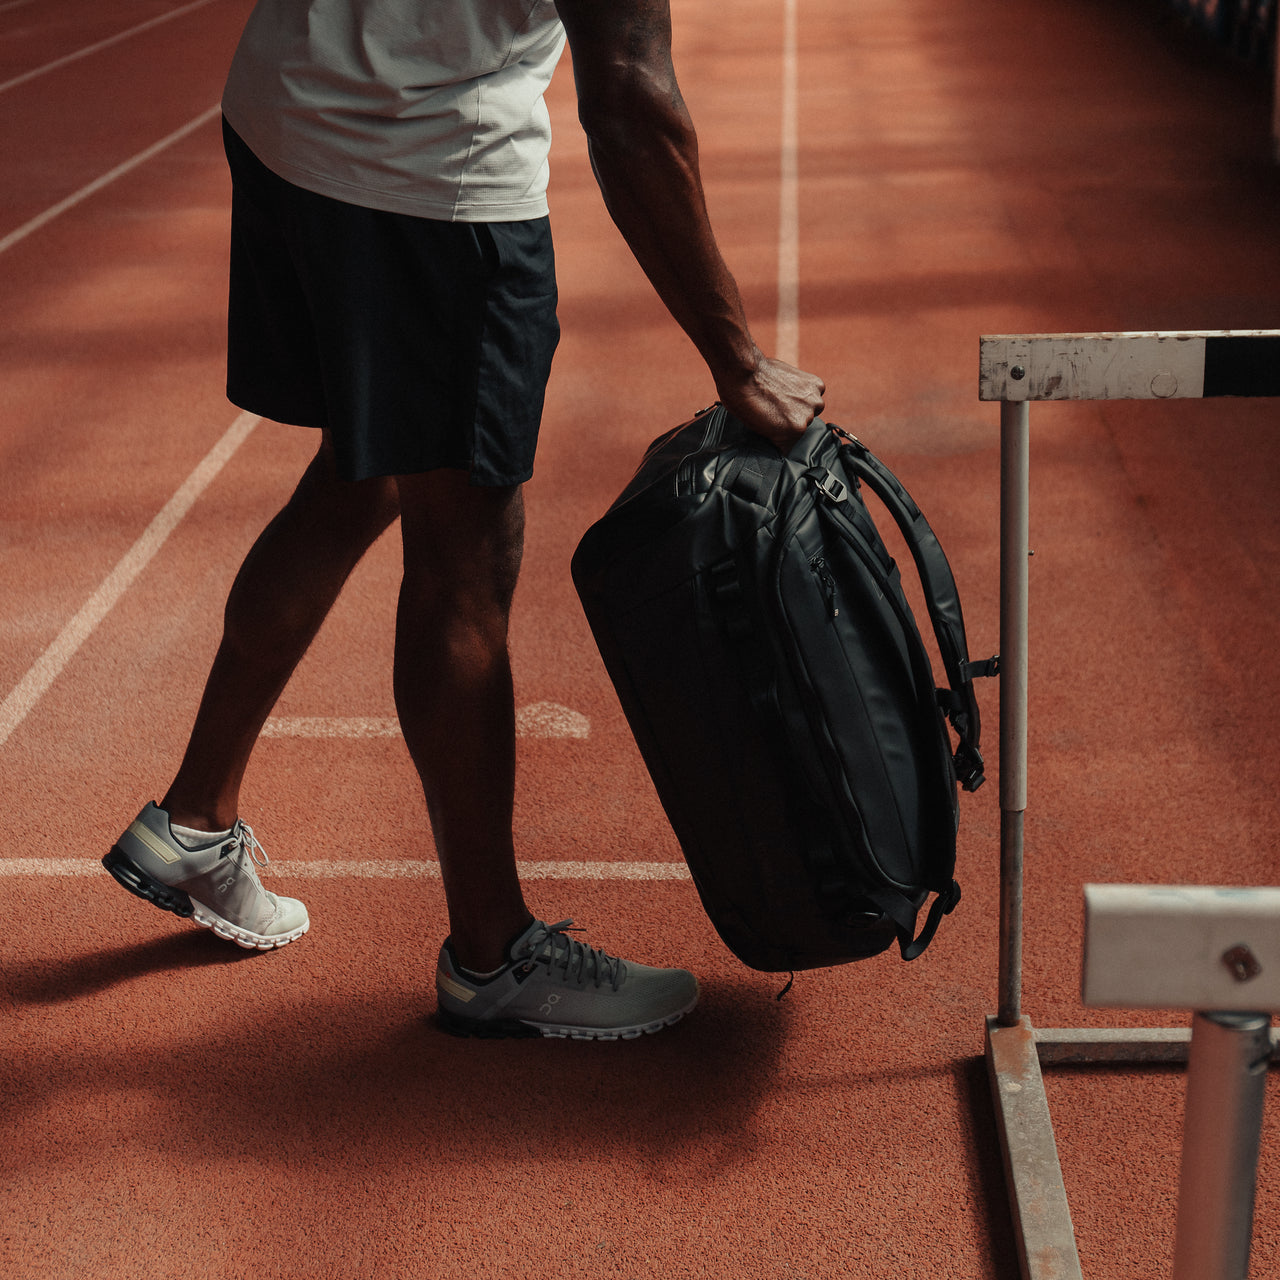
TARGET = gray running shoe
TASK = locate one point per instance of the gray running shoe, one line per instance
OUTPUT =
(216, 885)
(556, 985)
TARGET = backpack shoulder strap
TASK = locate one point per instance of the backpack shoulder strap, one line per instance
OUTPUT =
(942, 599)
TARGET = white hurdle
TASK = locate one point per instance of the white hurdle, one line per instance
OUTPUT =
(1214, 952)
(1015, 369)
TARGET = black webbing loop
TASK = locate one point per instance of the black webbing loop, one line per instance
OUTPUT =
(980, 670)
(943, 905)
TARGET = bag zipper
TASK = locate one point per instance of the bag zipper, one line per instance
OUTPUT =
(823, 573)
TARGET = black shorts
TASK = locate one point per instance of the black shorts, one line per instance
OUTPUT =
(417, 344)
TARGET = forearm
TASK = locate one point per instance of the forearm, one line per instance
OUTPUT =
(645, 156)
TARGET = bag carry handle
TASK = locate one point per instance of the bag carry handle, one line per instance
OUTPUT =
(903, 915)
(942, 600)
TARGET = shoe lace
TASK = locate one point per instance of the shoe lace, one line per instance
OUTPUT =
(243, 842)
(571, 960)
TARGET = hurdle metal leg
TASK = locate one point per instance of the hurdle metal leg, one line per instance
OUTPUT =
(1226, 1087)
(1015, 480)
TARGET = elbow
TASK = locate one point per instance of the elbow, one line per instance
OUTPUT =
(633, 115)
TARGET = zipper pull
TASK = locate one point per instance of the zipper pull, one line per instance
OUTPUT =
(819, 567)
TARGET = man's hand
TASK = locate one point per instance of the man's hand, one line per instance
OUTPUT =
(777, 401)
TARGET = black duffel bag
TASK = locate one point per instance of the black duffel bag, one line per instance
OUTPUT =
(754, 627)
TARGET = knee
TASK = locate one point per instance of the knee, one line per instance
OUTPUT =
(463, 545)
(459, 597)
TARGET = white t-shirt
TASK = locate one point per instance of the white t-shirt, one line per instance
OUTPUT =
(427, 107)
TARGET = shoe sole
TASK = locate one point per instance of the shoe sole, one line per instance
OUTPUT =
(132, 877)
(514, 1029)
(127, 873)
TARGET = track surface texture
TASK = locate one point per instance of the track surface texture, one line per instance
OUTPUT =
(174, 1107)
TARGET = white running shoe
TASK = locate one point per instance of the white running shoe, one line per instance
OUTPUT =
(555, 985)
(215, 885)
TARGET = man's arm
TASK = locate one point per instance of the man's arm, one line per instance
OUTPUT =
(645, 156)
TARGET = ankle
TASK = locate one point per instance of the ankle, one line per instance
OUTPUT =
(197, 817)
(488, 950)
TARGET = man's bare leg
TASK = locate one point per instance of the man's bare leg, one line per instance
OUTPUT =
(283, 592)
(462, 552)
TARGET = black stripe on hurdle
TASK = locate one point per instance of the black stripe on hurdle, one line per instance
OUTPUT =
(1242, 366)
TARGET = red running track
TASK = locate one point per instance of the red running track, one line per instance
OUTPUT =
(174, 1108)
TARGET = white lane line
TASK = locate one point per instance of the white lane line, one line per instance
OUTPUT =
(101, 44)
(538, 720)
(788, 339)
(46, 668)
(551, 720)
(331, 727)
(391, 869)
(377, 869)
(128, 166)
(50, 867)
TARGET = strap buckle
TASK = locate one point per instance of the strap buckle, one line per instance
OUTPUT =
(830, 486)
(977, 670)
(970, 770)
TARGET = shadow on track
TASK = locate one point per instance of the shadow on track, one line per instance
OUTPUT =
(54, 980)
